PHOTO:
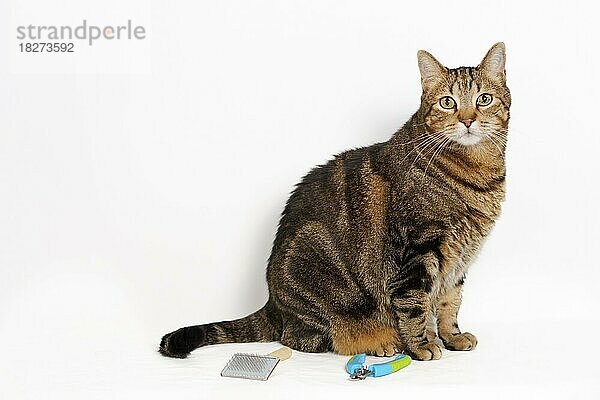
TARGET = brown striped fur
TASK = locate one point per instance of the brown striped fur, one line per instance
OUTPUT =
(373, 247)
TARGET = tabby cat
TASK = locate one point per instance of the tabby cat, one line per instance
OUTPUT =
(373, 247)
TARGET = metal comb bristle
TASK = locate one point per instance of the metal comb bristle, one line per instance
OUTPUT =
(250, 366)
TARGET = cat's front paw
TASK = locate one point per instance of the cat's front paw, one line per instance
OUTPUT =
(425, 352)
(460, 342)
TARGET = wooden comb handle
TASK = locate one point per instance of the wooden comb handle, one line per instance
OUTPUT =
(282, 353)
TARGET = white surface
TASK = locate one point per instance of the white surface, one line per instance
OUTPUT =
(492, 371)
(133, 204)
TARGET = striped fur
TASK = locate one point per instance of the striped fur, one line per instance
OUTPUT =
(373, 247)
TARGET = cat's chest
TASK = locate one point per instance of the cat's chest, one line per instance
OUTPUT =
(459, 248)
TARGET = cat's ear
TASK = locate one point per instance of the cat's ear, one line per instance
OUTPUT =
(493, 64)
(432, 71)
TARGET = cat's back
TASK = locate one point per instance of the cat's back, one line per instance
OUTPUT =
(342, 197)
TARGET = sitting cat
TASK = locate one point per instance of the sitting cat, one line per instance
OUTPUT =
(373, 246)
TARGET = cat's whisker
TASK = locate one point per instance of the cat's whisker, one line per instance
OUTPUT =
(498, 132)
(422, 149)
(495, 144)
(423, 143)
(501, 138)
(445, 141)
(502, 131)
(416, 139)
(434, 144)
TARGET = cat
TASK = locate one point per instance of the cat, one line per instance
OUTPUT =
(373, 247)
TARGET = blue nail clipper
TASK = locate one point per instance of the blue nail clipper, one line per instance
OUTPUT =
(358, 370)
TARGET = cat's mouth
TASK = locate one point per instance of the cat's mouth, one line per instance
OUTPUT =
(467, 137)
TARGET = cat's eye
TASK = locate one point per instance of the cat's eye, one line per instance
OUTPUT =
(484, 99)
(447, 102)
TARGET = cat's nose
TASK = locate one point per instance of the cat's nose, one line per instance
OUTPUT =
(467, 122)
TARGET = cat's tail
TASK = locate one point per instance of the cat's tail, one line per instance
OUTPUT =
(262, 326)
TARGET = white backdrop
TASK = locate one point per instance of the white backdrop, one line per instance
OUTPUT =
(141, 185)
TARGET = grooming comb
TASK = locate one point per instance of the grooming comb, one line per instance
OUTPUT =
(254, 366)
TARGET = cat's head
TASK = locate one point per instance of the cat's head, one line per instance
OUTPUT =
(467, 105)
